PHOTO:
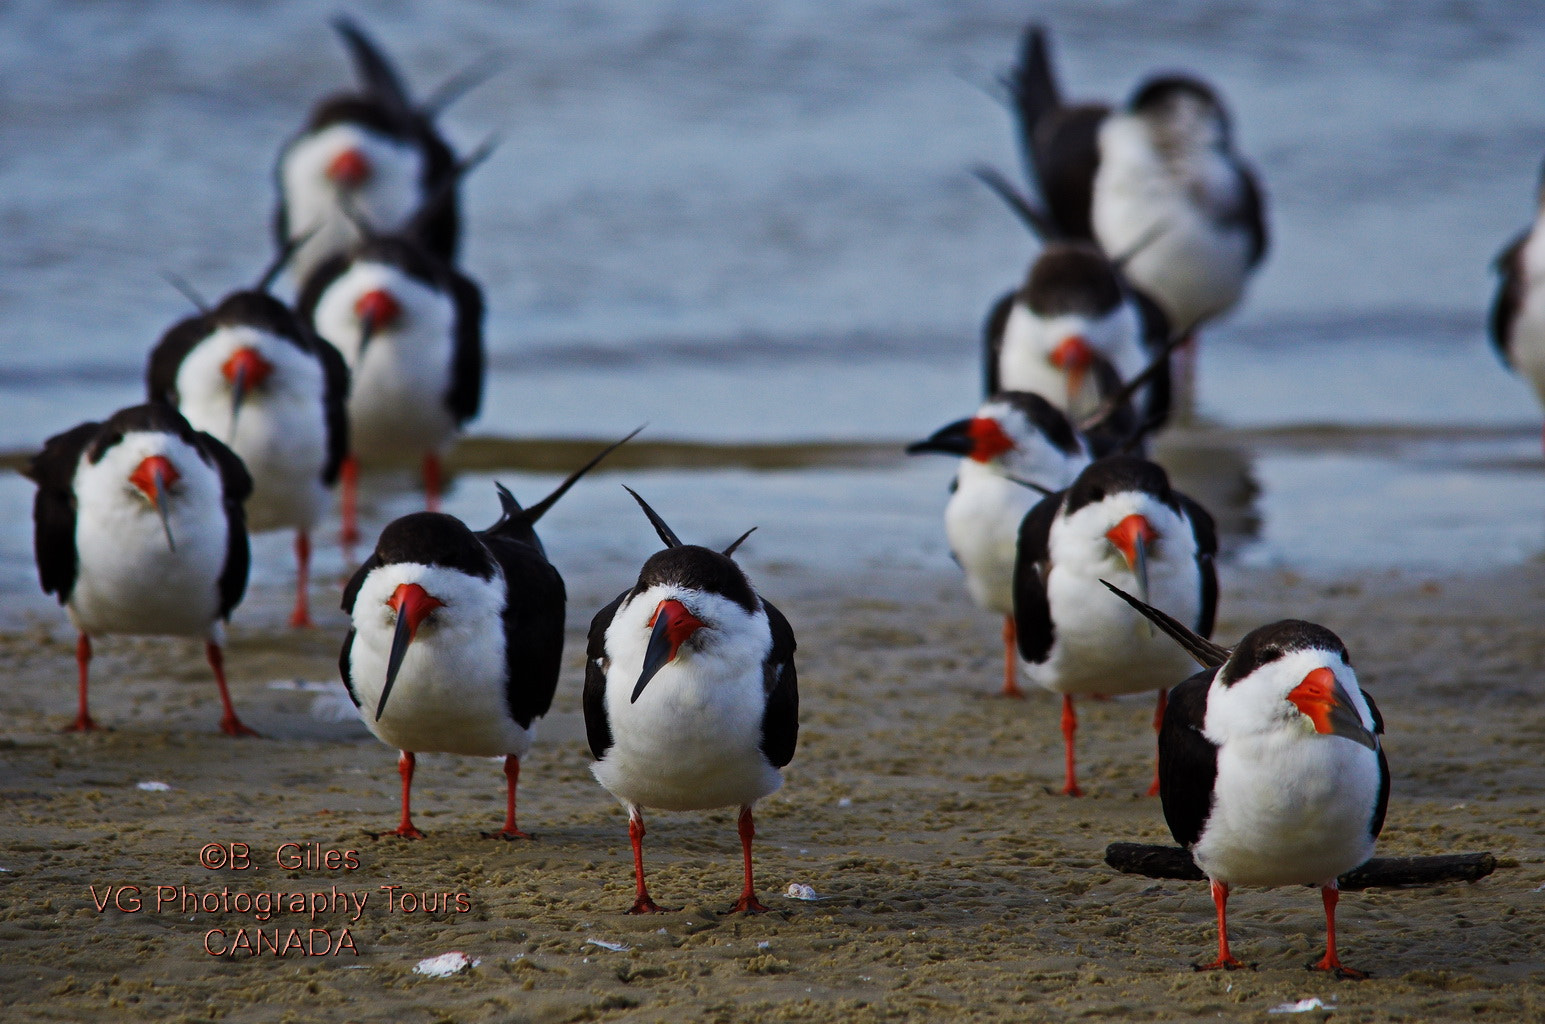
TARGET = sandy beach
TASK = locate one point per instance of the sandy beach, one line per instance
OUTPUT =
(954, 884)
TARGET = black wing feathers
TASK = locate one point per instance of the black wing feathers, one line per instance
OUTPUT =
(1252, 214)
(1206, 533)
(533, 627)
(53, 508)
(780, 681)
(375, 72)
(236, 484)
(1188, 761)
(465, 396)
(351, 589)
(343, 666)
(1059, 143)
(992, 340)
(598, 728)
(1376, 824)
(166, 358)
(1510, 296)
(1032, 608)
(335, 399)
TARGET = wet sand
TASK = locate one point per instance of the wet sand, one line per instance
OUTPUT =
(955, 884)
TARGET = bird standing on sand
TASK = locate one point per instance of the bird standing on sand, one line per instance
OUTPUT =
(410, 327)
(251, 373)
(138, 529)
(373, 155)
(456, 638)
(1518, 311)
(691, 697)
(1013, 437)
(1119, 520)
(1270, 766)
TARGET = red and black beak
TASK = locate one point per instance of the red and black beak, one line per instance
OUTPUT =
(376, 309)
(980, 438)
(245, 370)
(950, 439)
(412, 604)
(153, 476)
(348, 169)
(1325, 702)
(1073, 357)
(1132, 537)
(672, 625)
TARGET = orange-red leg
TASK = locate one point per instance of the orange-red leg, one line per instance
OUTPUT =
(405, 764)
(301, 616)
(1330, 895)
(1011, 659)
(748, 903)
(512, 779)
(83, 720)
(1069, 729)
(433, 482)
(642, 904)
(348, 504)
(229, 723)
(1225, 961)
(1158, 723)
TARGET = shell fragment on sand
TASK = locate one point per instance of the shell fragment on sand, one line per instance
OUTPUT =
(800, 891)
(615, 947)
(445, 965)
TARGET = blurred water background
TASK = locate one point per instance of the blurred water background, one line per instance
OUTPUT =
(755, 225)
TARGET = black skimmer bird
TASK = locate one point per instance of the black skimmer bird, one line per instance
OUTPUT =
(1014, 440)
(1119, 520)
(1518, 311)
(373, 154)
(456, 638)
(251, 373)
(1157, 184)
(691, 698)
(1271, 770)
(410, 327)
(1073, 332)
(138, 529)
(1172, 191)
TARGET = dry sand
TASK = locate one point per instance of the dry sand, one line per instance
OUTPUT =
(956, 885)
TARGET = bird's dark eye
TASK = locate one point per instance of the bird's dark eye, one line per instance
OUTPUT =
(1098, 494)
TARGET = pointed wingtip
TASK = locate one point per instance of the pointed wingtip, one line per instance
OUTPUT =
(186, 290)
(729, 552)
(1204, 651)
(507, 501)
(1032, 217)
(1040, 489)
(375, 71)
(535, 512)
(461, 83)
(667, 535)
